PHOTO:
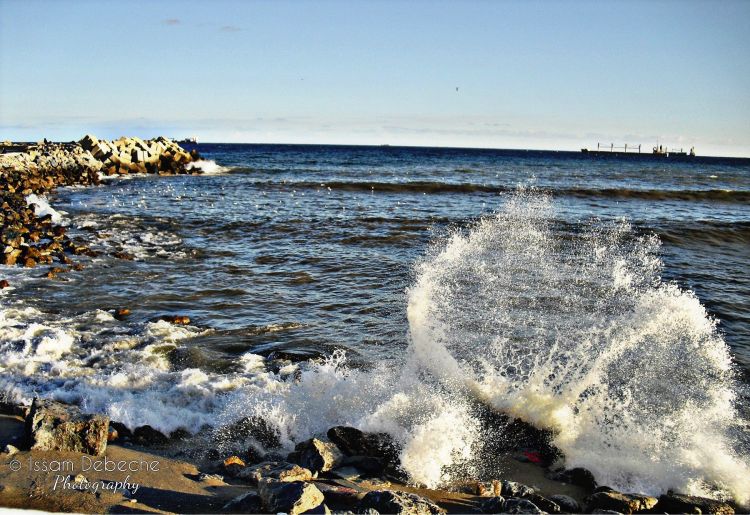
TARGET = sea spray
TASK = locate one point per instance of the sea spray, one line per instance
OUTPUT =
(574, 330)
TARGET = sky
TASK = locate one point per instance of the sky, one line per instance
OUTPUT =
(492, 74)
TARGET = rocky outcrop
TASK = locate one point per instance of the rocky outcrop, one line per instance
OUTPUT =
(620, 502)
(29, 236)
(293, 498)
(402, 503)
(53, 426)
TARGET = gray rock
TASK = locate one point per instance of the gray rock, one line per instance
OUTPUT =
(678, 503)
(543, 503)
(493, 505)
(518, 505)
(53, 426)
(245, 503)
(278, 471)
(513, 489)
(566, 503)
(620, 502)
(293, 498)
(318, 455)
(400, 503)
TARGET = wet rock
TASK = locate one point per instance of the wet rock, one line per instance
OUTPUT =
(620, 502)
(543, 503)
(381, 446)
(147, 435)
(678, 503)
(252, 427)
(367, 464)
(386, 501)
(341, 495)
(518, 505)
(121, 313)
(179, 434)
(53, 426)
(245, 503)
(112, 434)
(274, 470)
(566, 503)
(486, 488)
(494, 504)
(514, 489)
(121, 429)
(176, 319)
(576, 476)
(4, 284)
(293, 498)
(10, 450)
(318, 455)
(234, 460)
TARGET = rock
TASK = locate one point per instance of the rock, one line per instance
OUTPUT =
(245, 503)
(234, 460)
(293, 498)
(513, 489)
(620, 502)
(576, 476)
(318, 455)
(121, 429)
(147, 435)
(10, 450)
(486, 488)
(252, 427)
(518, 505)
(678, 503)
(353, 442)
(566, 503)
(121, 313)
(112, 434)
(543, 503)
(494, 504)
(206, 478)
(4, 284)
(53, 426)
(176, 319)
(339, 494)
(386, 501)
(279, 471)
(368, 464)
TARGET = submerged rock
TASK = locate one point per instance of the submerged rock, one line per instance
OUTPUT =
(293, 498)
(678, 503)
(386, 501)
(53, 426)
(318, 455)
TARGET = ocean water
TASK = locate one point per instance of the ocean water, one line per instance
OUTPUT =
(395, 288)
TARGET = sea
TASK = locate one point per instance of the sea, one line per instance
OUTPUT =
(394, 289)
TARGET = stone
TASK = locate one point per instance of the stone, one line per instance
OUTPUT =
(494, 504)
(233, 460)
(53, 426)
(245, 503)
(4, 284)
(10, 450)
(252, 427)
(112, 434)
(518, 505)
(147, 435)
(339, 494)
(566, 503)
(381, 446)
(620, 502)
(543, 503)
(176, 319)
(121, 313)
(679, 503)
(514, 489)
(486, 488)
(279, 471)
(121, 430)
(387, 501)
(578, 476)
(318, 455)
(292, 498)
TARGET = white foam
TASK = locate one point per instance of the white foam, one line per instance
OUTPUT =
(42, 208)
(208, 167)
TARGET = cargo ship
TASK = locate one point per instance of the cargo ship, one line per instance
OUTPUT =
(633, 151)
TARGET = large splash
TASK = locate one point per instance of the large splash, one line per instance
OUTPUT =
(574, 330)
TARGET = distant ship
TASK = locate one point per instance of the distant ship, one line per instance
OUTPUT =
(189, 140)
(632, 151)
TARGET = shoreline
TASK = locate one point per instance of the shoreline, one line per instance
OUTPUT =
(221, 492)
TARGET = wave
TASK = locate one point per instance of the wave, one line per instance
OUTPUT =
(208, 167)
(446, 187)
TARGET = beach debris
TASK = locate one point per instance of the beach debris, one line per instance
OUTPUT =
(620, 502)
(387, 501)
(53, 426)
(679, 503)
(319, 455)
(245, 503)
(292, 498)
(279, 471)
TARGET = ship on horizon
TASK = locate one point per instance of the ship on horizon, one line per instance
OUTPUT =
(632, 150)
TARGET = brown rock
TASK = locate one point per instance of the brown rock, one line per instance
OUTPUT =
(53, 426)
(4, 284)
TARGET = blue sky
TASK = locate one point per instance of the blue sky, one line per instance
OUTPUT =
(559, 75)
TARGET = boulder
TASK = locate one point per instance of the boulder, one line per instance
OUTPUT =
(293, 498)
(493, 505)
(578, 476)
(147, 435)
(513, 489)
(402, 503)
(518, 505)
(543, 503)
(620, 502)
(378, 446)
(279, 471)
(318, 455)
(53, 426)
(566, 503)
(678, 503)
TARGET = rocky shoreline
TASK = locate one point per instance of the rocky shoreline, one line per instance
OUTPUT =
(344, 471)
(241, 468)
(29, 235)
